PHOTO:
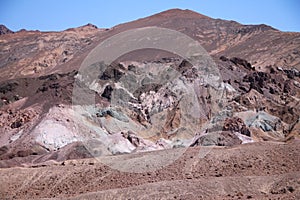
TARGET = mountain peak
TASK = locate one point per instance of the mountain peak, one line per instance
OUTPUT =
(4, 30)
(87, 27)
(91, 26)
(180, 12)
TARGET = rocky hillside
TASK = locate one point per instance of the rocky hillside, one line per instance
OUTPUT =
(147, 100)
(4, 30)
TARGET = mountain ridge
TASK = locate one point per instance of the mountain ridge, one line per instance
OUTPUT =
(217, 36)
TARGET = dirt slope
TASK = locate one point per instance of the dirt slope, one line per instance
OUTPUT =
(257, 171)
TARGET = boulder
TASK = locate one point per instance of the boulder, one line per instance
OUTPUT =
(263, 121)
(223, 138)
(107, 92)
(113, 113)
(236, 124)
(244, 63)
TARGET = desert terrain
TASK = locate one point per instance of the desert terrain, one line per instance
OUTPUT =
(151, 124)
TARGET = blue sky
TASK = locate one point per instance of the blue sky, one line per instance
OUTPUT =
(57, 15)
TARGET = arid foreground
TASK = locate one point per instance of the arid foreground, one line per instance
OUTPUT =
(251, 171)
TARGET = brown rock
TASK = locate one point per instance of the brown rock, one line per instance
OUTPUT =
(236, 124)
(224, 138)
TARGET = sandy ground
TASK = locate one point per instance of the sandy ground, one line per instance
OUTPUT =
(250, 171)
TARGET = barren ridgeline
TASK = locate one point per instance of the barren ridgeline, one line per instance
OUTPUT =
(176, 105)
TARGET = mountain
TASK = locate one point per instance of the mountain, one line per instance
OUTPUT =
(259, 44)
(4, 30)
(147, 108)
